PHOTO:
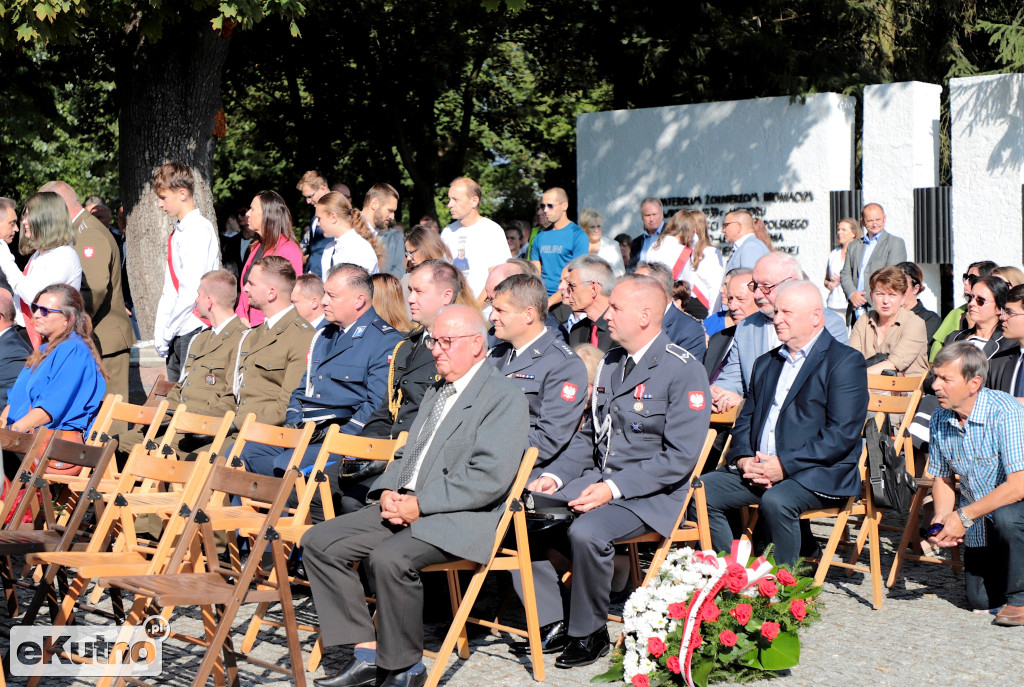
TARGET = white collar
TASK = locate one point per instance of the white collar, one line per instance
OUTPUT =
(523, 349)
(220, 327)
(271, 322)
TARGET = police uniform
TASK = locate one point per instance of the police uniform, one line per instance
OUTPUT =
(104, 300)
(206, 383)
(643, 439)
(554, 380)
(344, 380)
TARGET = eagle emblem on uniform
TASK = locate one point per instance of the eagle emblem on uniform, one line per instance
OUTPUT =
(696, 400)
(569, 392)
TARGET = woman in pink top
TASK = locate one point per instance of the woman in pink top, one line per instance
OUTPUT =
(270, 218)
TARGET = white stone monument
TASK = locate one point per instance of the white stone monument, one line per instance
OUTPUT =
(778, 156)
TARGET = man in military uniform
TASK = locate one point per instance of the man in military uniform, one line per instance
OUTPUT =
(101, 289)
(346, 376)
(553, 378)
(205, 386)
(627, 470)
(271, 357)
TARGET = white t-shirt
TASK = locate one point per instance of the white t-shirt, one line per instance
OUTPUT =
(349, 247)
(476, 249)
(708, 275)
(57, 266)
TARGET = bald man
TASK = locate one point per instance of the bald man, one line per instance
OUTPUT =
(627, 470)
(440, 500)
(101, 288)
(559, 244)
(796, 442)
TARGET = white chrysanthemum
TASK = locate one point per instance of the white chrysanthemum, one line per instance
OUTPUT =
(647, 666)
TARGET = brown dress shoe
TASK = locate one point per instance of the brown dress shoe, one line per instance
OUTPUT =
(1010, 616)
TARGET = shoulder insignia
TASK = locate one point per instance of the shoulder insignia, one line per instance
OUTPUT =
(382, 325)
(358, 333)
(680, 352)
(302, 323)
(88, 251)
(564, 348)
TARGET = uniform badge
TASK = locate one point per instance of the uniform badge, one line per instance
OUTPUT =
(211, 379)
(359, 331)
(437, 378)
(569, 392)
(696, 400)
(638, 406)
(636, 427)
(600, 389)
(638, 393)
(88, 251)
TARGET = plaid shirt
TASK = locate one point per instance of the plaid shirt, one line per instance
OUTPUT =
(988, 446)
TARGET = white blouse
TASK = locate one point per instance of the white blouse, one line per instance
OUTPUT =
(57, 266)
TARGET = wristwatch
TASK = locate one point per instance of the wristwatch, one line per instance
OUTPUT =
(964, 519)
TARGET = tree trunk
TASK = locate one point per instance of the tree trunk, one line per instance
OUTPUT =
(168, 93)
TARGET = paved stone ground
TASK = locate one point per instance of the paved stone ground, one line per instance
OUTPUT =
(922, 635)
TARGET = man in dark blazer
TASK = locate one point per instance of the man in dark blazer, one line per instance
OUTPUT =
(440, 500)
(590, 281)
(885, 250)
(740, 302)
(1006, 366)
(796, 443)
(680, 327)
(13, 349)
(627, 470)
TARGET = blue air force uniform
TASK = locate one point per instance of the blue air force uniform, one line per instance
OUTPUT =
(345, 380)
(554, 380)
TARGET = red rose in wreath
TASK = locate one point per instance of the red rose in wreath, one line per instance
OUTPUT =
(727, 638)
(770, 631)
(798, 609)
(742, 613)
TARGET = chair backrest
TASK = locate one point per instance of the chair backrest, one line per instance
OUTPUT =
(161, 387)
(516, 511)
(905, 405)
(894, 384)
(94, 458)
(29, 446)
(184, 422)
(340, 446)
(296, 439)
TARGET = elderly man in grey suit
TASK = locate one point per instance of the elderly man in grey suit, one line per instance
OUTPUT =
(755, 334)
(877, 249)
(440, 500)
(627, 471)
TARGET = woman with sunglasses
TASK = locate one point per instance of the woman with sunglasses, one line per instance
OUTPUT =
(889, 336)
(271, 219)
(46, 233)
(63, 382)
(984, 305)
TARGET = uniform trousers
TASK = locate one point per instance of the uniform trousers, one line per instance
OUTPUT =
(177, 349)
(393, 560)
(591, 542)
(117, 365)
(780, 508)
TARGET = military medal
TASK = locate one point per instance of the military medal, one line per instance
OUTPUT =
(638, 394)
(211, 379)
(636, 427)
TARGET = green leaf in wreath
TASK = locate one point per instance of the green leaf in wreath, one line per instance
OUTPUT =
(751, 658)
(700, 669)
(614, 674)
(783, 653)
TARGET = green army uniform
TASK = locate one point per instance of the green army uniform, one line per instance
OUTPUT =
(101, 291)
(270, 365)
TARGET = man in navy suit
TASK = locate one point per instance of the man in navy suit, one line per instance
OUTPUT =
(13, 349)
(682, 328)
(313, 187)
(796, 442)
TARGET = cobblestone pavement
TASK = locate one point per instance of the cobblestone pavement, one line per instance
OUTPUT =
(923, 635)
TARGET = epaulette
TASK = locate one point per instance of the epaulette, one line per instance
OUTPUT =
(565, 348)
(680, 352)
(303, 324)
(383, 326)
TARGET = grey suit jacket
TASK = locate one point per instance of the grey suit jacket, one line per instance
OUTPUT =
(890, 250)
(749, 252)
(468, 468)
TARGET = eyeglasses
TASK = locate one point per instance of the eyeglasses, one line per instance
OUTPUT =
(980, 301)
(571, 285)
(1007, 314)
(410, 253)
(735, 221)
(972, 279)
(549, 206)
(44, 310)
(445, 342)
(766, 288)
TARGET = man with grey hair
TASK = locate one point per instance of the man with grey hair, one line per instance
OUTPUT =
(740, 302)
(755, 335)
(101, 288)
(551, 376)
(346, 374)
(682, 328)
(440, 499)
(14, 350)
(797, 441)
(589, 282)
(978, 436)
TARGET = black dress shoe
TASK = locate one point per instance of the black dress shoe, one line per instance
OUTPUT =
(553, 638)
(356, 673)
(582, 651)
(405, 679)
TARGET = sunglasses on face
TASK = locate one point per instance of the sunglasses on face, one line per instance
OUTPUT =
(46, 312)
(980, 301)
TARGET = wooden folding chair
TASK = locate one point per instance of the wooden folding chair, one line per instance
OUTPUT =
(724, 422)
(221, 591)
(516, 557)
(48, 534)
(161, 387)
(293, 527)
(684, 530)
(30, 446)
(115, 548)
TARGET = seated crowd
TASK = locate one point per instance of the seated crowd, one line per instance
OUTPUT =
(612, 378)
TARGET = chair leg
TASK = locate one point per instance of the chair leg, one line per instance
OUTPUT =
(529, 595)
(908, 533)
(9, 586)
(455, 595)
(830, 549)
(136, 616)
(456, 628)
(288, 611)
(858, 545)
(871, 523)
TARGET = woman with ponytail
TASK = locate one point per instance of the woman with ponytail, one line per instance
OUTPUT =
(354, 241)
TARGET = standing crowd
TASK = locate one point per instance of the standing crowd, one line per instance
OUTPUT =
(479, 341)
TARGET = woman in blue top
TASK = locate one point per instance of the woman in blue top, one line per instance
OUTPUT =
(63, 382)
